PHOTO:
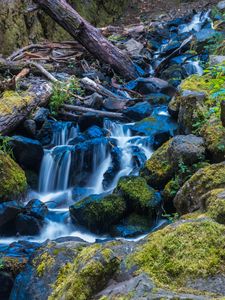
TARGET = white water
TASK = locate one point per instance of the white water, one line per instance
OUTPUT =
(196, 23)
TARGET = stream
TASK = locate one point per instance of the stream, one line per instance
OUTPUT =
(74, 166)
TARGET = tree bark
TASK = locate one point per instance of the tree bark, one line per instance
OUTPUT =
(15, 108)
(89, 36)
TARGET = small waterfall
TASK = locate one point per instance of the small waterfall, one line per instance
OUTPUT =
(55, 167)
(196, 23)
(193, 67)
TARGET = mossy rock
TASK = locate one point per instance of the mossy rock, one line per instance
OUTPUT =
(88, 274)
(158, 170)
(99, 212)
(214, 202)
(214, 135)
(138, 195)
(188, 199)
(180, 254)
(13, 180)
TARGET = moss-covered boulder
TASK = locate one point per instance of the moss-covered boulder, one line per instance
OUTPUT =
(12, 179)
(186, 255)
(214, 204)
(99, 212)
(158, 169)
(189, 197)
(214, 136)
(178, 155)
(138, 195)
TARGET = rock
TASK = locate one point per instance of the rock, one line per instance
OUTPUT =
(134, 225)
(214, 203)
(138, 111)
(41, 115)
(94, 101)
(114, 104)
(191, 110)
(154, 85)
(6, 284)
(157, 98)
(216, 59)
(98, 212)
(214, 136)
(28, 225)
(30, 127)
(221, 5)
(84, 269)
(188, 199)
(138, 195)
(94, 132)
(205, 34)
(13, 181)
(158, 170)
(37, 209)
(133, 47)
(8, 211)
(186, 149)
(28, 152)
(198, 255)
(89, 119)
(174, 107)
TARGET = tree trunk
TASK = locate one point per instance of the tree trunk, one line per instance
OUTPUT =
(89, 36)
(15, 107)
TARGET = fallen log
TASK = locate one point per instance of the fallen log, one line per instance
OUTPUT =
(15, 107)
(89, 36)
(74, 108)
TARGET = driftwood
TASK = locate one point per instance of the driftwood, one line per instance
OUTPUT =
(223, 113)
(88, 36)
(15, 108)
(74, 108)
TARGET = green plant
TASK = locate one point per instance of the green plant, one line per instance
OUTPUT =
(63, 92)
(172, 218)
(5, 147)
(1, 264)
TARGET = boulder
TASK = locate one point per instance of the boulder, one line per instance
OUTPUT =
(189, 197)
(214, 135)
(37, 209)
(13, 180)
(26, 224)
(89, 119)
(158, 98)
(191, 250)
(94, 132)
(186, 149)
(138, 111)
(138, 195)
(41, 115)
(30, 127)
(98, 212)
(28, 152)
(216, 59)
(147, 86)
(191, 110)
(221, 5)
(64, 268)
(214, 204)
(8, 211)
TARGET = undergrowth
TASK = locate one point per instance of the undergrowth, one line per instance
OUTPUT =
(64, 92)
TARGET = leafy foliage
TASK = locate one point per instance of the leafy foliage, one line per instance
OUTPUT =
(5, 146)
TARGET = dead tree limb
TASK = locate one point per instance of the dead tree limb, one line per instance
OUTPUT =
(88, 36)
(74, 108)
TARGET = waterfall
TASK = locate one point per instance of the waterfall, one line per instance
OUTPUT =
(55, 167)
(196, 23)
(193, 67)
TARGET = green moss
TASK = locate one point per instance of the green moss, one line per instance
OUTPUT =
(137, 193)
(99, 213)
(158, 169)
(11, 100)
(215, 205)
(88, 274)
(206, 179)
(43, 263)
(13, 180)
(182, 252)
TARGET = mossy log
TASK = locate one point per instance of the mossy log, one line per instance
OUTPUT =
(88, 36)
(15, 106)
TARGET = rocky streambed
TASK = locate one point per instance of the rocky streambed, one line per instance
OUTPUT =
(131, 207)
